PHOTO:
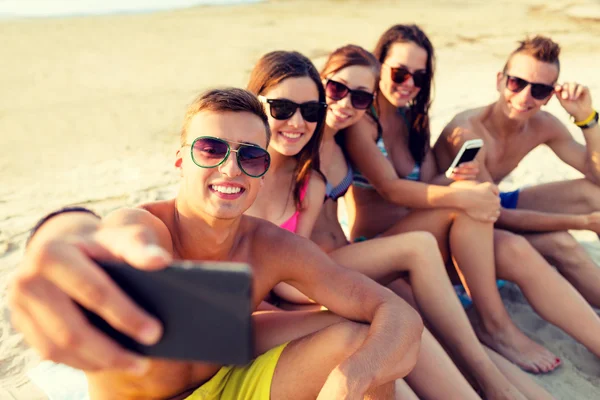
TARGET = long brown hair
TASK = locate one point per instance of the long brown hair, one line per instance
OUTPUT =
(419, 134)
(347, 56)
(272, 69)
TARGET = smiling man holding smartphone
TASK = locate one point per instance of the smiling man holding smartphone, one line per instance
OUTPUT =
(511, 128)
(221, 161)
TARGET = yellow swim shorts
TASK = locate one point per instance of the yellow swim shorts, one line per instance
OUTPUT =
(250, 382)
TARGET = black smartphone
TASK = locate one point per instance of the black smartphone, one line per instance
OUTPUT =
(467, 153)
(205, 307)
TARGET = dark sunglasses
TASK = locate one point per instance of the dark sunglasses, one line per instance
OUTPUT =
(539, 91)
(281, 109)
(401, 75)
(360, 99)
(210, 152)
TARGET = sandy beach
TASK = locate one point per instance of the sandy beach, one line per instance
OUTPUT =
(90, 110)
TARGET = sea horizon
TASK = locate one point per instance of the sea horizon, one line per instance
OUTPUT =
(16, 9)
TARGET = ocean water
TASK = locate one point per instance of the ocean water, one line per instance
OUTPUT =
(57, 8)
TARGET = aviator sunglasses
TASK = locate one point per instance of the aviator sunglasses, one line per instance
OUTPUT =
(360, 99)
(539, 91)
(401, 75)
(283, 109)
(210, 152)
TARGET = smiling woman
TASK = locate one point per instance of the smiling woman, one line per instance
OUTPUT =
(56, 8)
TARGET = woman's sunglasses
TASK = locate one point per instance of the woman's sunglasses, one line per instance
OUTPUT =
(401, 75)
(210, 152)
(360, 99)
(539, 91)
(282, 109)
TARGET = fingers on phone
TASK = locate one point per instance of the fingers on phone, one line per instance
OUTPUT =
(86, 283)
(52, 324)
(136, 245)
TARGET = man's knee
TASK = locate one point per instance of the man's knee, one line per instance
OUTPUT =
(565, 251)
(561, 243)
(514, 255)
(350, 335)
(589, 195)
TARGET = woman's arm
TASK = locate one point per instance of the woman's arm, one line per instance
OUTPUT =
(380, 172)
(312, 203)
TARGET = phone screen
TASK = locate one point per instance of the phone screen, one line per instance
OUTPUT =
(468, 155)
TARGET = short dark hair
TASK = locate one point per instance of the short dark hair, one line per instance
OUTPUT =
(222, 100)
(541, 48)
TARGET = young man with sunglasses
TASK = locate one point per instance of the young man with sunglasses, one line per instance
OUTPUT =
(511, 128)
(221, 162)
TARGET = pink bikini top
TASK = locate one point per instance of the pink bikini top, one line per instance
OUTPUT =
(292, 223)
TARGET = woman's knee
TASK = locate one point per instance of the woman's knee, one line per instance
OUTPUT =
(424, 252)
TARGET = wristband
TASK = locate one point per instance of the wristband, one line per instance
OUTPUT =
(584, 124)
(54, 214)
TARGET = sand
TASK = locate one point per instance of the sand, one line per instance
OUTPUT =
(90, 110)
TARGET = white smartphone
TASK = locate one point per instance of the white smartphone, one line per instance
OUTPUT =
(467, 153)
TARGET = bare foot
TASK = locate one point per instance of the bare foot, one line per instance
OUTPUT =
(518, 348)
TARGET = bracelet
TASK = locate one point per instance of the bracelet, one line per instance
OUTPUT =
(593, 115)
(590, 124)
(53, 214)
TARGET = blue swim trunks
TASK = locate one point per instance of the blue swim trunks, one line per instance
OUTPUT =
(509, 199)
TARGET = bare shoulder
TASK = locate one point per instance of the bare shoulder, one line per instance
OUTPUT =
(155, 216)
(548, 127)
(464, 126)
(468, 120)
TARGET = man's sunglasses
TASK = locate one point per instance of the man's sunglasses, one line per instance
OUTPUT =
(360, 99)
(282, 109)
(401, 75)
(210, 152)
(539, 91)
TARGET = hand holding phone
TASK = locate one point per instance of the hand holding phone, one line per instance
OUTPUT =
(466, 154)
(205, 309)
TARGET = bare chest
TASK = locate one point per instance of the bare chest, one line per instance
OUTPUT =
(502, 156)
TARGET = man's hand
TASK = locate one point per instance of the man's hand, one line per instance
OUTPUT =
(339, 387)
(466, 171)
(592, 222)
(56, 273)
(575, 99)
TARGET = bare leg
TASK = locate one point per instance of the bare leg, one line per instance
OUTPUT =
(578, 196)
(473, 255)
(520, 379)
(382, 259)
(298, 375)
(404, 392)
(516, 376)
(434, 365)
(547, 291)
(571, 260)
